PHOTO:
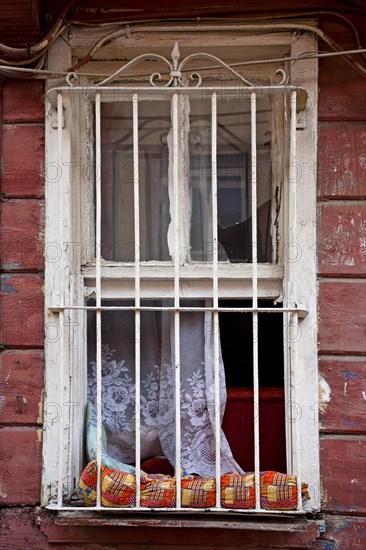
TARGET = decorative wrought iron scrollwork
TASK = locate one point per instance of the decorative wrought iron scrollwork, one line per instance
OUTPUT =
(176, 75)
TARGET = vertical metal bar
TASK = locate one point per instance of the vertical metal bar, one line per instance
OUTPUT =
(253, 109)
(98, 328)
(61, 302)
(215, 298)
(175, 119)
(136, 184)
(293, 290)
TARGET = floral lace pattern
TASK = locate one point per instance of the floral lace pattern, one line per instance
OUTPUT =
(157, 412)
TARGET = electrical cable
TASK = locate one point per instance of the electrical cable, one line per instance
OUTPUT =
(55, 74)
(38, 50)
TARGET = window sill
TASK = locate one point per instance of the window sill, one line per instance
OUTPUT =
(92, 527)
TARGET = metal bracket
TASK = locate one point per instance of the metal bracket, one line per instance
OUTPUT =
(54, 119)
(301, 120)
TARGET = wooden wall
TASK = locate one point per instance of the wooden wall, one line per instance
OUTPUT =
(341, 264)
(342, 302)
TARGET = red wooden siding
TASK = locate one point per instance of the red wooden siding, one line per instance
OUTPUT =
(342, 92)
(23, 101)
(343, 473)
(20, 463)
(342, 303)
(23, 160)
(342, 318)
(342, 160)
(341, 239)
(343, 533)
(344, 409)
(22, 235)
(21, 380)
(21, 311)
(21, 298)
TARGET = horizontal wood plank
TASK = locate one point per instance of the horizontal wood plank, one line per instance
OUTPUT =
(342, 91)
(21, 310)
(20, 465)
(23, 161)
(22, 235)
(20, 530)
(21, 382)
(25, 529)
(342, 323)
(343, 473)
(341, 239)
(342, 161)
(217, 534)
(342, 396)
(23, 101)
(343, 532)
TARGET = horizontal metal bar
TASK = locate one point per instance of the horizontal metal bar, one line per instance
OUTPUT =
(183, 308)
(129, 90)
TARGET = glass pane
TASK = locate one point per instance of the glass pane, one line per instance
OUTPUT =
(118, 238)
(233, 180)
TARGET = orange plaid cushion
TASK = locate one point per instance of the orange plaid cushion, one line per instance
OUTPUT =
(198, 492)
(158, 493)
(118, 488)
(277, 491)
(87, 487)
(237, 491)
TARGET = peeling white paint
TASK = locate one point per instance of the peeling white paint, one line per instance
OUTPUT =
(2, 493)
(324, 394)
(364, 394)
(8, 376)
(350, 262)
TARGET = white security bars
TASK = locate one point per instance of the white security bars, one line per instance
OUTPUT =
(247, 95)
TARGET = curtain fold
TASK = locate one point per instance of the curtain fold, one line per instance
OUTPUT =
(158, 390)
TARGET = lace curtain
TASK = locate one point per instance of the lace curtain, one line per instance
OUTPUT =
(158, 390)
(156, 333)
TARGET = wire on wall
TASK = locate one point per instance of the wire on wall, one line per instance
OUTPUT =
(17, 59)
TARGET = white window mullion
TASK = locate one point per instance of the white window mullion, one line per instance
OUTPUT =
(61, 302)
(253, 117)
(215, 298)
(98, 328)
(176, 206)
(137, 296)
(293, 292)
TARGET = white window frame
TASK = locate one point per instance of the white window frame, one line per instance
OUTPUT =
(68, 155)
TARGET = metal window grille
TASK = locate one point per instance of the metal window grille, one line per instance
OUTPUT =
(173, 89)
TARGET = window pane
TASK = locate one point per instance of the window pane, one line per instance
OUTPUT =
(118, 238)
(233, 180)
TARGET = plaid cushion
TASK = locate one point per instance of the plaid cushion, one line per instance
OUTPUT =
(87, 487)
(277, 491)
(199, 492)
(237, 491)
(118, 488)
(158, 493)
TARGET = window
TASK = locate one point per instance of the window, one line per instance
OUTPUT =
(181, 264)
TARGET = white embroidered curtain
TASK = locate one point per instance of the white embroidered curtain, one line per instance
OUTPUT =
(197, 407)
(158, 390)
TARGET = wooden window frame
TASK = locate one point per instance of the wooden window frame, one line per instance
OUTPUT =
(67, 248)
